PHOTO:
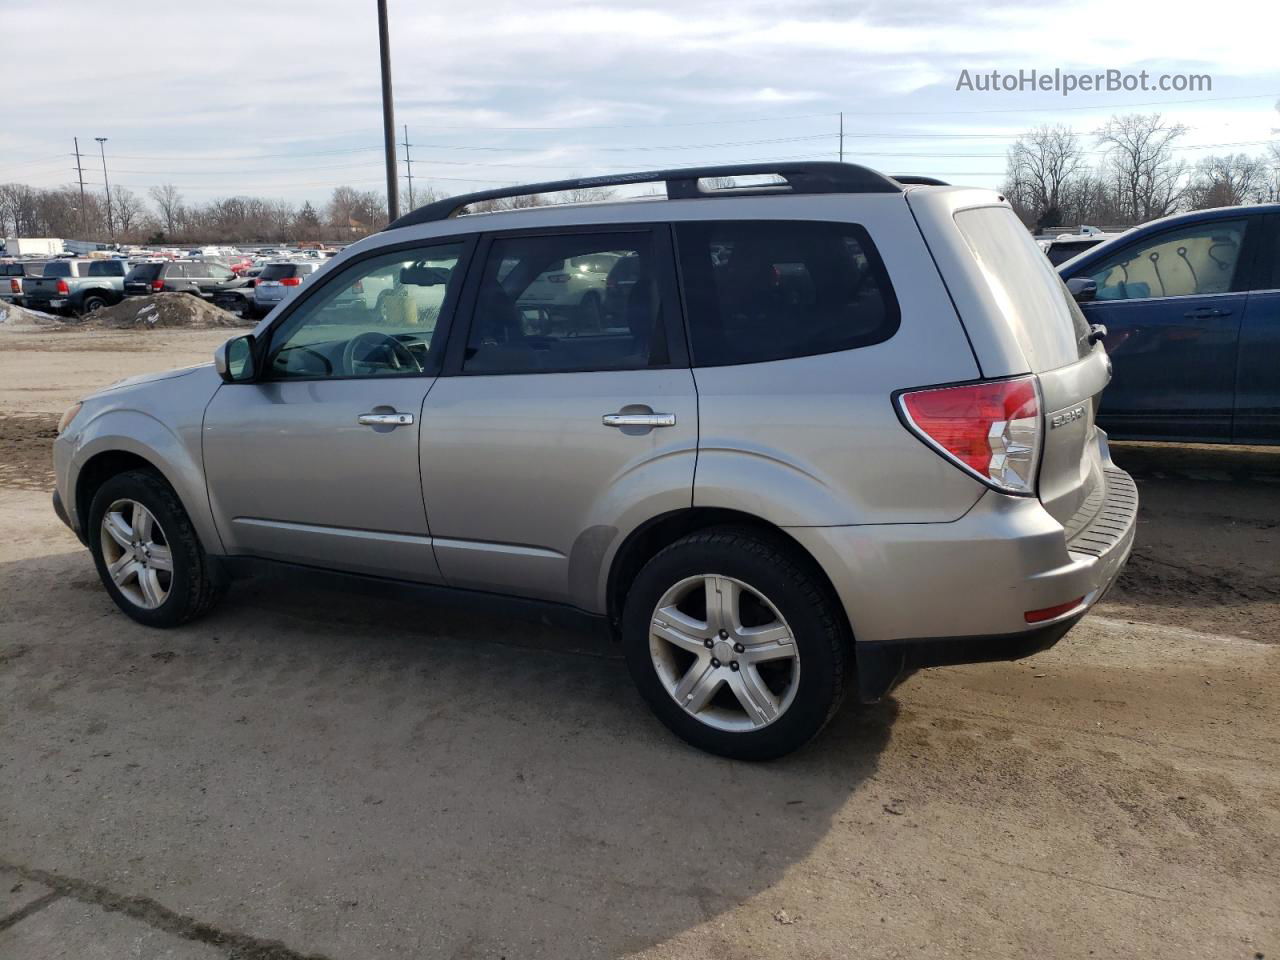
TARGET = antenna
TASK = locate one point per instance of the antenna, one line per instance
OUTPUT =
(84, 230)
(408, 163)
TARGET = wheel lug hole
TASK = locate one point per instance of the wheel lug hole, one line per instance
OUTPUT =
(738, 648)
(715, 662)
(733, 665)
(708, 643)
(724, 634)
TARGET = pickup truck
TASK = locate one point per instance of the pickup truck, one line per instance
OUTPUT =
(12, 276)
(75, 286)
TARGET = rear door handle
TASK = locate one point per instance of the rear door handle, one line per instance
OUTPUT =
(1205, 312)
(639, 419)
(384, 419)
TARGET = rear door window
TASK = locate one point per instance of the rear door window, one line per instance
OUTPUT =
(1027, 290)
(545, 305)
(771, 290)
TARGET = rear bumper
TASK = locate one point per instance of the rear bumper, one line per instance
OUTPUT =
(921, 595)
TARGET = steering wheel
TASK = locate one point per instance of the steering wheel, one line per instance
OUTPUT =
(359, 347)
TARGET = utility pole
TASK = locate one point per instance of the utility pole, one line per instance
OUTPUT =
(111, 227)
(842, 136)
(388, 115)
(84, 230)
(408, 163)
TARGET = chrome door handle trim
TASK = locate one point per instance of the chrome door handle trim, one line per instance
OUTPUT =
(384, 419)
(639, 419)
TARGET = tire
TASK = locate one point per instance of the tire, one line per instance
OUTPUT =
(190, 588)
(785, 597)
(91, 303)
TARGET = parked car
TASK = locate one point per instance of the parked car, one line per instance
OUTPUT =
(1062, 248)
(11, 276)
(770, 492)
(201, 278)
(1191, 307)
(278, 281)
(571, 292)
(75, 286)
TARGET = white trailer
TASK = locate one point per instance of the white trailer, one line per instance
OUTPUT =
(32, 246)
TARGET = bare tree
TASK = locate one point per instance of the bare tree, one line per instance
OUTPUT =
(1227, 181)
(169, 202)
(1042, 164)
(1148, 178)
(128, 209)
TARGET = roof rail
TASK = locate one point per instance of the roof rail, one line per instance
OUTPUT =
(912, 180)
(683, 184)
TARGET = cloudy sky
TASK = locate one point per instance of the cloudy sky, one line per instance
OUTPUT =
(282, 99)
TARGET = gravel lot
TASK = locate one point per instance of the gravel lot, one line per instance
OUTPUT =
(314, 774)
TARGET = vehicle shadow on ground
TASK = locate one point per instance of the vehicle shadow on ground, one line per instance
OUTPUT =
(330, 769)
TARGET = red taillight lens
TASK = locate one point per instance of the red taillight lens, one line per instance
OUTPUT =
(62, 287)
(991, 430)
(14, 285)
(291, 282)
(157, 285)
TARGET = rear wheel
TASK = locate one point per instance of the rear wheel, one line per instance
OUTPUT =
(147, 553)
(736, 644)
(93, 302)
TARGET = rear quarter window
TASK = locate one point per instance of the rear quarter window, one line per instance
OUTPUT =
(1027, 291)
(772, 290)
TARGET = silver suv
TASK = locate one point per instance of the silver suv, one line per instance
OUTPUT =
(837, 427)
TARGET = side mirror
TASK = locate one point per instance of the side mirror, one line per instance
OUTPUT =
(1082, 289)
(234, 360)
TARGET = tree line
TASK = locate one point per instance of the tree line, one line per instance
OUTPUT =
(1052, 181)
(166, 216)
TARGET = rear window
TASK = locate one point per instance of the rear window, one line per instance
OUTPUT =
(105, 268)
(11, 270)
(58, 268)
(144, 272)
(278, 271)
(770, 290)
(1031, 297)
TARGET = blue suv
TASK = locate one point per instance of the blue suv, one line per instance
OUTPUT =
(1191, 304)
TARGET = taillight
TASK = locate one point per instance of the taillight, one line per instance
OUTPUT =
(62, 287)
(157, 284)
(991, 430)
(14, 285)
(291, 282)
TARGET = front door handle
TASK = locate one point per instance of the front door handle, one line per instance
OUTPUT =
(1203, 313)
(384, 419)
(639, 419)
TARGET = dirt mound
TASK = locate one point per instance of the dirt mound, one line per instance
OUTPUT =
(13, 315)
(165, 310)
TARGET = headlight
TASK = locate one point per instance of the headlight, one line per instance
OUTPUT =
(69, 416)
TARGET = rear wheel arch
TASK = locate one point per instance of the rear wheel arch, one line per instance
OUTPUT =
(652, 537)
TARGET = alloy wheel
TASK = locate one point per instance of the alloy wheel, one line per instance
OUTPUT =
(724, 653)
(137, 554)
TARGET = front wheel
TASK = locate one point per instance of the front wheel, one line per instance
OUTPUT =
(147, 553)
(736, 644)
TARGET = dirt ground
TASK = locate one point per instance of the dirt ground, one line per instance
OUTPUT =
(308, 774)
